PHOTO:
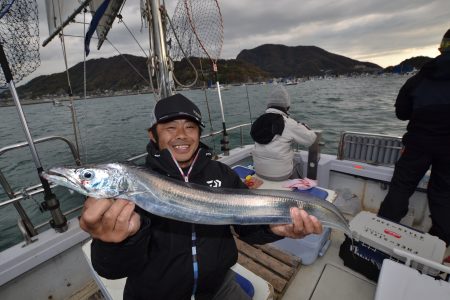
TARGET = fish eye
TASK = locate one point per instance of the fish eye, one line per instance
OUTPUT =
(87, 174)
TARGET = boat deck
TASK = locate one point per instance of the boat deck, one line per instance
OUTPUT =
(90, 291)
(328, 278)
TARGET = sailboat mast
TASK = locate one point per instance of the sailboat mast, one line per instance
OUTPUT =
(160, 49)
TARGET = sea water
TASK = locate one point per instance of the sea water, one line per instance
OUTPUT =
(114, 128)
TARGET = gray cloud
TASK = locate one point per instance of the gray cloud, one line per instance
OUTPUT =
(362, 28)
(379, 31)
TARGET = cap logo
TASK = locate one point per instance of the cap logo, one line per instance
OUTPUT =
(197, 114)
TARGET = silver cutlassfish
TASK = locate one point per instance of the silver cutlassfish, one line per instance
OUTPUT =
(193, 203)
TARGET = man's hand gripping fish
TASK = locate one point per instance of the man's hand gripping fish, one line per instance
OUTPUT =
(193, 203)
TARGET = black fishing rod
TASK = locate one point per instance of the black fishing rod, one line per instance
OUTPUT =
(59, 221)
(225, 139)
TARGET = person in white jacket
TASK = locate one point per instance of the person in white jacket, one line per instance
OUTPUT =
(273, 133)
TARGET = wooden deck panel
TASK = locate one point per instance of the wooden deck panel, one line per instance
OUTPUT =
(273, 265)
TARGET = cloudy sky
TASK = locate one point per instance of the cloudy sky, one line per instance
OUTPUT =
(384, 32)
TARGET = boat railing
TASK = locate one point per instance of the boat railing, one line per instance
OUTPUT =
(313, 155)
(219, 132)
(26, 227)
(376, 149)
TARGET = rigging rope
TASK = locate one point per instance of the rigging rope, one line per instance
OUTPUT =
(129, 63)
(120, 17)
(150, 82)
(75, 123)
(85, 148)
(185, 56)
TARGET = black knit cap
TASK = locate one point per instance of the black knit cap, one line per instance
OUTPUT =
(177, 107)
(445, 44)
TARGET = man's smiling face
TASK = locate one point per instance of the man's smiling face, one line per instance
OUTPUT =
(181, 137)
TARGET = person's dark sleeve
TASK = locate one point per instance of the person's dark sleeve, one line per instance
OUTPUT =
(404, 102)
(119, 260)
(256, 234)
(252, 234)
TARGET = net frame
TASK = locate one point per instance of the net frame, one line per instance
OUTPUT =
(198, 24)
(19, 37)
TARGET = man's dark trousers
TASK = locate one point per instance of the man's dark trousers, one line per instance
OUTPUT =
(409, 170)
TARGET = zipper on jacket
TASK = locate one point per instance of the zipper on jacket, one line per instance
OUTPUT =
(193, 232)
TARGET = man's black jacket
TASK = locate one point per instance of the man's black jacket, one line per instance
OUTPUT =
(424, 100)
(158, 259)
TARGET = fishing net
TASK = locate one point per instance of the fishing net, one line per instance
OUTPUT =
(19, 36)
(199, 28)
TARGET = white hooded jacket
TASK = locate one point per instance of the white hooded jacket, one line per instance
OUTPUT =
(275, 160)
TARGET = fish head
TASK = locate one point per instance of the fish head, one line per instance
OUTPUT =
(100, 181)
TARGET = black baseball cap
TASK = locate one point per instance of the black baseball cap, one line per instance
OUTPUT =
(177, 107)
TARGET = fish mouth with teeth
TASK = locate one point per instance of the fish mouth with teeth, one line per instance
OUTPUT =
(60, 177)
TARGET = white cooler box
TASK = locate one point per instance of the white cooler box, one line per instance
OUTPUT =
(401, 282)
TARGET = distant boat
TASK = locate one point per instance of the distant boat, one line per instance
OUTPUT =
(57, 103)
(290, 82)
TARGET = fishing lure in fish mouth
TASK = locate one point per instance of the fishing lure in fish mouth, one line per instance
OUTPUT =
(193, 203)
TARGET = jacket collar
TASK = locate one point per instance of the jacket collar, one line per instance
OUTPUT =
(437, 68)
(162, 162)
(276, 111)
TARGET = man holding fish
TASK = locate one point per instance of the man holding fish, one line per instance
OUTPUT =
(169, 259)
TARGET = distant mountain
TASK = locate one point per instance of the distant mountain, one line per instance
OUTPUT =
(409, 65)
(116, 74)
(229, 71)
(107, 75)
(102, 74)
(299, 61)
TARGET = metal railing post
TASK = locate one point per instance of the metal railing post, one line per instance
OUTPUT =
(25, 220)
(314, 156)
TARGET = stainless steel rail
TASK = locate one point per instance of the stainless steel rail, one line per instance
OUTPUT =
(314, 156)
(25, 225)
(241, 133)
(377, 149)
(43, 140)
